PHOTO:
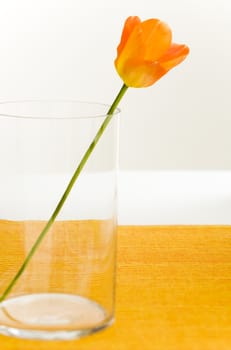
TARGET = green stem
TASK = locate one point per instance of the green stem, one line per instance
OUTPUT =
(67, 191)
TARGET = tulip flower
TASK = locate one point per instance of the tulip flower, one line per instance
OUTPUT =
(146, 52)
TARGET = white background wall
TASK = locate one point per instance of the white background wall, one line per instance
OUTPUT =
(66, 49)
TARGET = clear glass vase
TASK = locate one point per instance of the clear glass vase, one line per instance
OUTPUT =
(68, 288)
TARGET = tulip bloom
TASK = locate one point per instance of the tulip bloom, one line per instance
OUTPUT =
(146, 52)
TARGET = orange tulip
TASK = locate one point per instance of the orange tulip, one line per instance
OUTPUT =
(146, 52)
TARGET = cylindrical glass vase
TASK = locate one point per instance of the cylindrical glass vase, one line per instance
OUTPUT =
(67, 289)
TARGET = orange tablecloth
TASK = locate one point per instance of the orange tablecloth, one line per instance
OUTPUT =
(173, 293)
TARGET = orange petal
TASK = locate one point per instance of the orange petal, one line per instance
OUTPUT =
(175, 55)
(133, 48)
(157, 37)
(139, 74)
(130, 23)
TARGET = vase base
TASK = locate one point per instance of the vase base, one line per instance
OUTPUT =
(51, 316)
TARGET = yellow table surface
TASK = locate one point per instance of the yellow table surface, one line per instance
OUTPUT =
(173, 293)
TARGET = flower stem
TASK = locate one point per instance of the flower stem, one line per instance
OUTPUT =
(66, 192)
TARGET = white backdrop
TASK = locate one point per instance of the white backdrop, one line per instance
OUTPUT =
(66, 49)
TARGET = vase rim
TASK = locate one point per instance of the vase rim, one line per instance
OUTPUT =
(54, 109)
